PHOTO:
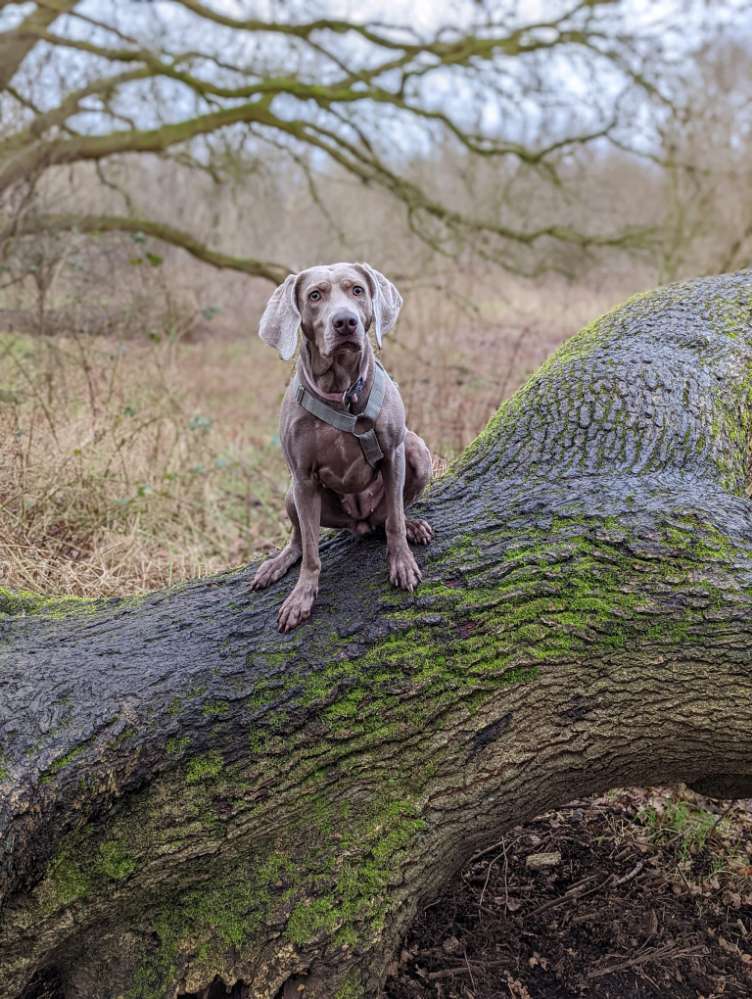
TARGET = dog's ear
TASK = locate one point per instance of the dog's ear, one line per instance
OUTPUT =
(386, 301)
(279, 324)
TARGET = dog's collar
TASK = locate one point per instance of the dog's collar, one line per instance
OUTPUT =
(347, 422)
(346, 398)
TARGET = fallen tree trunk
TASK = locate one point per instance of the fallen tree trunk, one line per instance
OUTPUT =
(187, 795)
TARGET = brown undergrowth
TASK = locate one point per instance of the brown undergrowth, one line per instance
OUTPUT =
(135, 461)
(643, 894)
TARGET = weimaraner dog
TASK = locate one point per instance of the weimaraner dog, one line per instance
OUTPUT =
(354, 464)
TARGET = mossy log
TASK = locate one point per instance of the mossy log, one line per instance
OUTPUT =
(188, 797)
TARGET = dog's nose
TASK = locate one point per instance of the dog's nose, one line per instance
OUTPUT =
(344, 322)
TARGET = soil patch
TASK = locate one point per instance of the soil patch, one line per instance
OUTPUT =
(641, 894)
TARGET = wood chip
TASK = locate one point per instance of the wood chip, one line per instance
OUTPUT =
(541, 861)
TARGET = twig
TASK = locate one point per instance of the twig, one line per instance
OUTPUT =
(489, 849)
(667, 951)
(465, 969)
(469, 971)
(574, 892)
(506, 880)
(632, 874)
(488, 872)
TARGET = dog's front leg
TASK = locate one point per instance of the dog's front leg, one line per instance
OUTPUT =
(403, 569)
(297, 607)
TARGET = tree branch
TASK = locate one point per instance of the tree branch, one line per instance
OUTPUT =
(389, 70)
(15, 45)
(32, 224)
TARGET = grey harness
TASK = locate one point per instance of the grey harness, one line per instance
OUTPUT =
(347, 421)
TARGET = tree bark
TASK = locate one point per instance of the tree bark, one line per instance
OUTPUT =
(185, 793)
(15, 45)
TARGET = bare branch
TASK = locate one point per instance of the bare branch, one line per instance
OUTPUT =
(346, 68)
(15, 45)
(32, 224)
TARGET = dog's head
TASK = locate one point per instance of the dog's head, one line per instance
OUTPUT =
(334, 305)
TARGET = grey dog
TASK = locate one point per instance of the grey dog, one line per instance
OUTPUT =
(354, 464)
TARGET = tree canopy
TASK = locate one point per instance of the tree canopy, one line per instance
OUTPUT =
(96, 82)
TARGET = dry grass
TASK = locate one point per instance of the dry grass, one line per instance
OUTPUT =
(128, 464)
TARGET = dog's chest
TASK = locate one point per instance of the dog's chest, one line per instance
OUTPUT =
(341, 465)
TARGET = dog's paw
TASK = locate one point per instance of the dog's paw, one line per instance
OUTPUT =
(297, 608)
(266, 574)
(403, 570)
(271, 570)
(419, 532)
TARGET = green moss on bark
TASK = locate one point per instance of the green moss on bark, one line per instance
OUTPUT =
(204, 768)
(63, 761)
(66, 881)
(17, 603)
(351, 988)
(115, 862)
(201, 927)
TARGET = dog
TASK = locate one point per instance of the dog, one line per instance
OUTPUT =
(353, 462)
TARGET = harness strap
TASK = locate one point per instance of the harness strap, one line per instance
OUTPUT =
(348, 421)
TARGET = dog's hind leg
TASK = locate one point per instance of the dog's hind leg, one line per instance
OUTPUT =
(275, 568)
(418, 470)
(417, 476)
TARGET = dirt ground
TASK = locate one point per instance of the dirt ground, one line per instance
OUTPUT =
(644, 894)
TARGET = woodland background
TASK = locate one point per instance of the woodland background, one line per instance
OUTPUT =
(138, 409)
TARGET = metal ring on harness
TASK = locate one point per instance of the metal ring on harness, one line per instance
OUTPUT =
(346, 422)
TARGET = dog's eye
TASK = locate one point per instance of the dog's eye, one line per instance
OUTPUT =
(357, 290)
(314, 296)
